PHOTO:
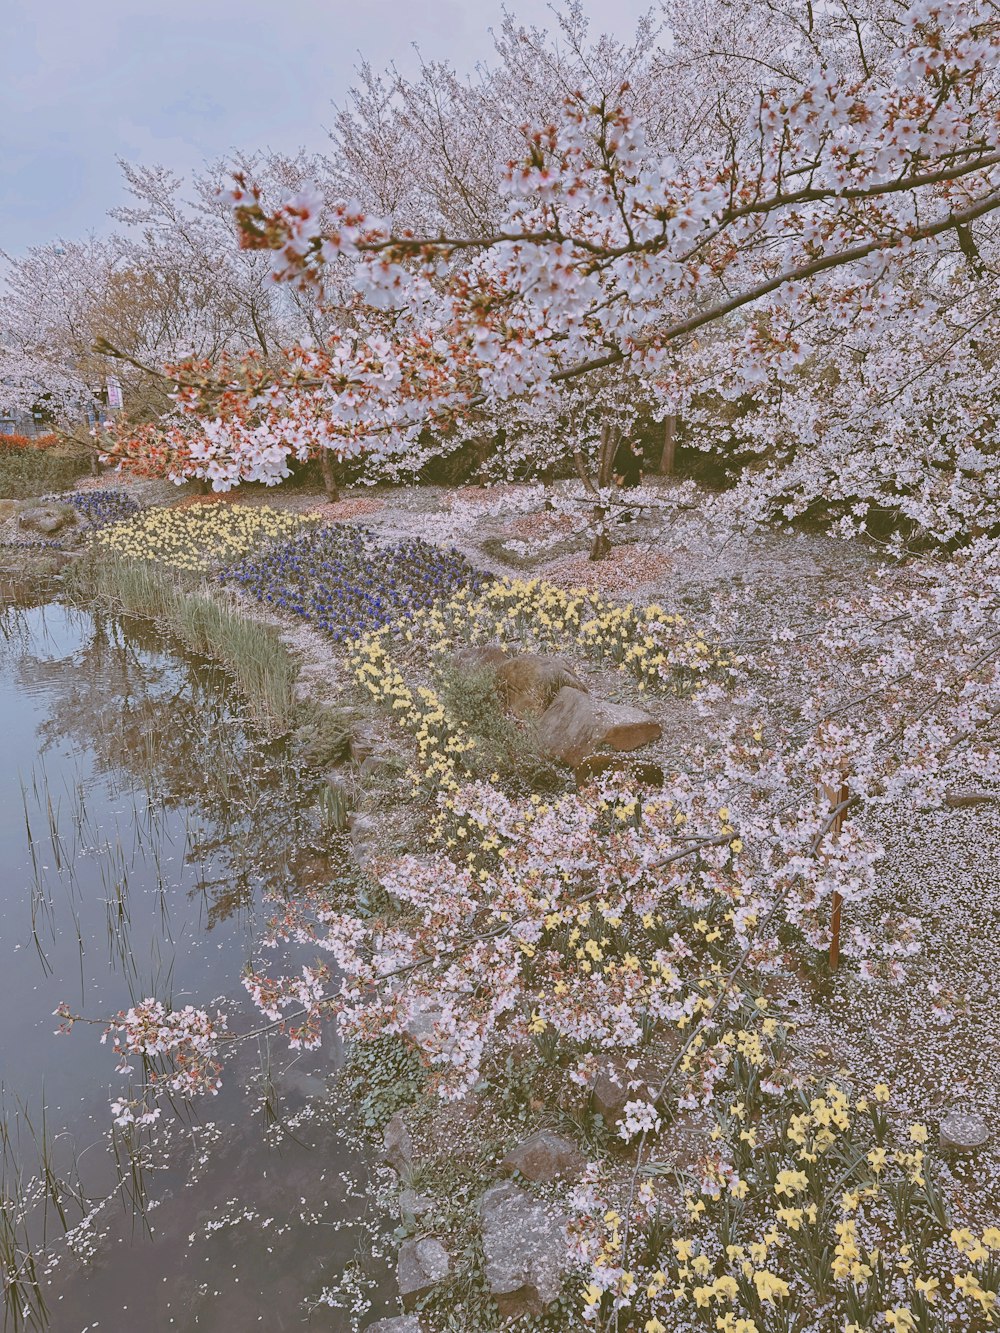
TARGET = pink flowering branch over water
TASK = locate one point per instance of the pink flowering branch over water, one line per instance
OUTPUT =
(179, 1051)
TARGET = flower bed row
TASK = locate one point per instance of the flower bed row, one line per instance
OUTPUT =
(196, 539)
(346, 584)
(99, 508)
(655, 646)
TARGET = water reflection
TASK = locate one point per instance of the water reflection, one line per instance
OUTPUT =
(143, 825)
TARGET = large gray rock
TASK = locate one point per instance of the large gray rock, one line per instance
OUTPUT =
(531, 681)
(48, 519)
(422, 1265)
(575, 725)
(400, 1323)
(544, 1156)
(397, 1146)
(525, 1247)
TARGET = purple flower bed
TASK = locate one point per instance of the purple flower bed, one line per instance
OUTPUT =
(342, 581)
(98, 508)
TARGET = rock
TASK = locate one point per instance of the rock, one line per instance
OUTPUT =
(525, 1247)
(544, 1156)
(422, 1265)
(360, 744)
(7, 509)
(413, 1205)
(609, 1090)
(479, 657)
(377, 765)
(397, 1146)
(596, 765)
(609, 1085)
(48, 518)
(962, 1132)
(360, 832)
(575, 724)
(531, 681)
(401, 1323)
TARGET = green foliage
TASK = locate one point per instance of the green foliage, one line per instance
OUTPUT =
(503, 746)
(26, 471)
(383, 1075)
(322, 736)
(334, 808)
(590, 1127)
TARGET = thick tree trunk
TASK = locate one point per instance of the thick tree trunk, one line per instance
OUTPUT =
(610, 439)
(668, 456)
(329, 470)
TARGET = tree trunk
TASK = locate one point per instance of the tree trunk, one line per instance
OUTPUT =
(601, 545)
(668, 456)
(329, 471)
(836, 797)
(610, 439)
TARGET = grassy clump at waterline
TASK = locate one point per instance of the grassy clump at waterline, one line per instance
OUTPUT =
(203, 619)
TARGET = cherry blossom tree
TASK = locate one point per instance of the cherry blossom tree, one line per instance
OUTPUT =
(740, 248)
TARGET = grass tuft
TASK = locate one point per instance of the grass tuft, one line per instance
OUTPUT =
(207, 623)
(503, 745)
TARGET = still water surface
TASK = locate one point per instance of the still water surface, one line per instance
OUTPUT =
(144, 825)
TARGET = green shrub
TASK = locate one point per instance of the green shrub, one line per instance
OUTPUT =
(27, 471)
(503, 745)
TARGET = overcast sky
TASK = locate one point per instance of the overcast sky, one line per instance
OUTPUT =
(177, 82)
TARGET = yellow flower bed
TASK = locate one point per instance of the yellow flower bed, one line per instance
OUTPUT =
(658, 648)
(835, 1214)
(198, 537)
(440, 743)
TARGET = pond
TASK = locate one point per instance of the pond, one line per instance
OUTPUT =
(145, 827)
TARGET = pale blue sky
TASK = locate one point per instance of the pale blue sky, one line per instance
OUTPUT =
(179, 81)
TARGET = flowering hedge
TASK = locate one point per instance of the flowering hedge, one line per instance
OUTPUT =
(195, 539)
(15, 441)
(345, 583)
